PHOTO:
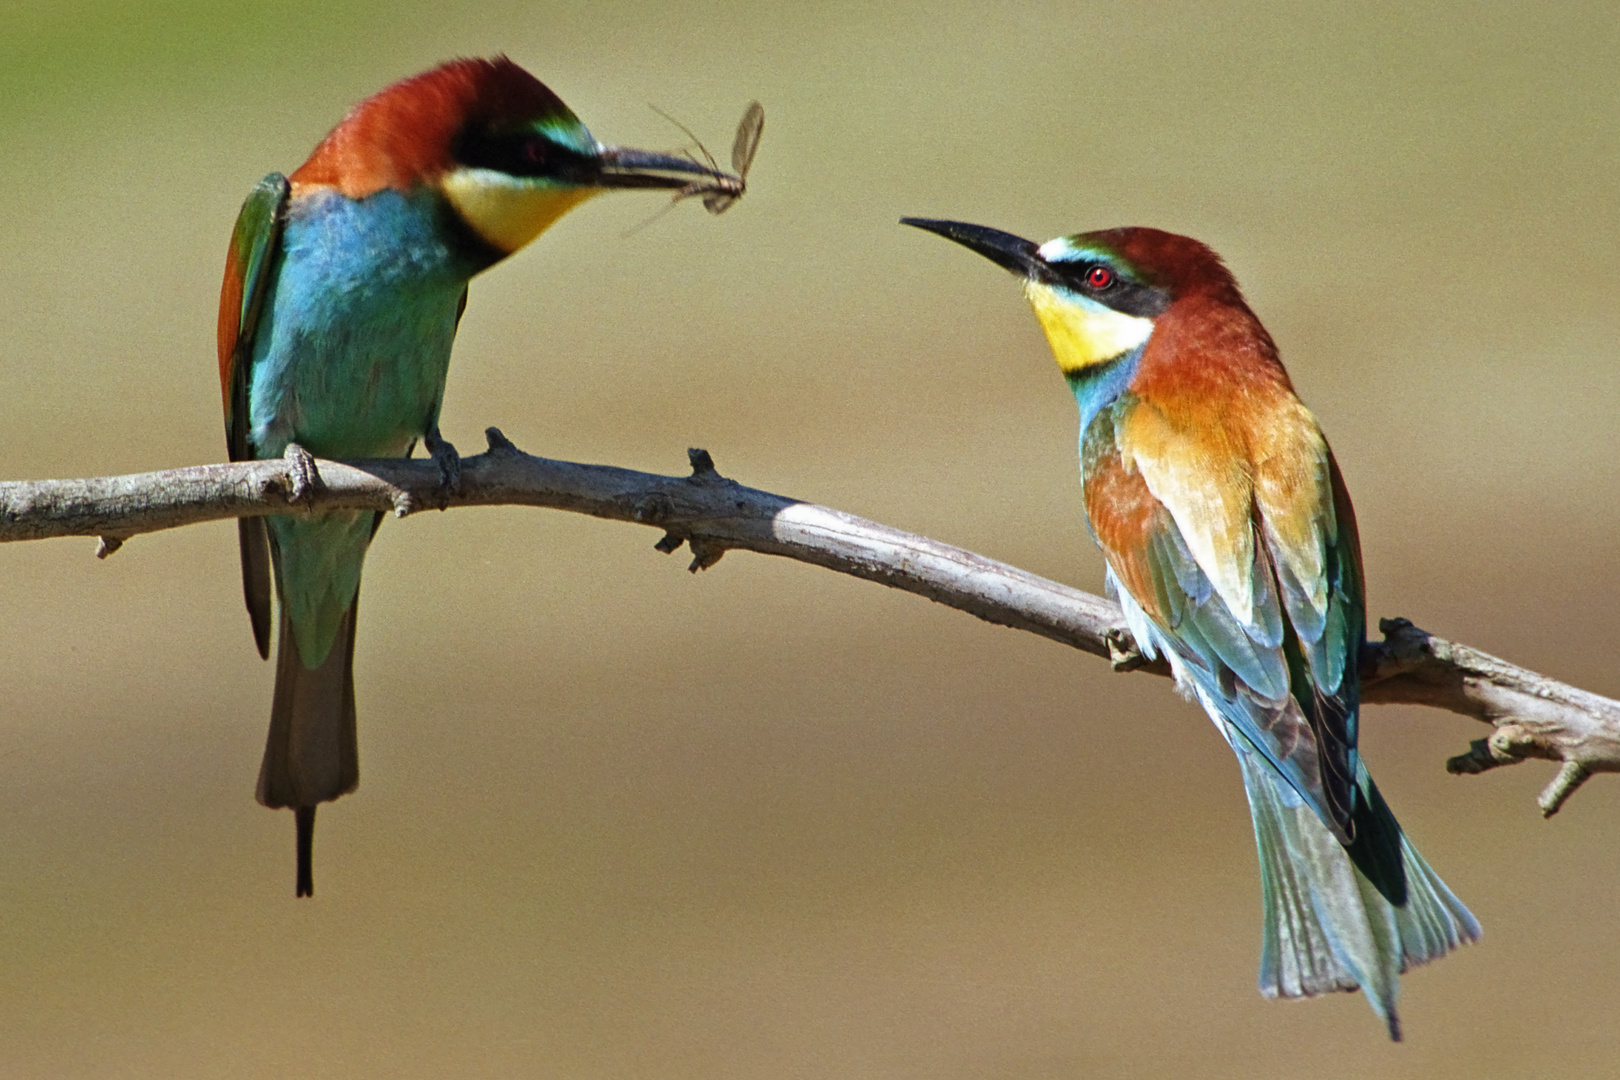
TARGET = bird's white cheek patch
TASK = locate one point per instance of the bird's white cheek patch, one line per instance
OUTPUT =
(508, 211)
(1081, 331)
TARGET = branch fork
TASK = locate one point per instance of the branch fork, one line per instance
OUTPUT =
(1534, 716)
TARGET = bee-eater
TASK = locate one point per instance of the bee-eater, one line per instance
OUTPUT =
(343, 288)
(1231, 545)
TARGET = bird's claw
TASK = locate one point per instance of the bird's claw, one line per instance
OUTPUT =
(1123, 652)
(449, 462)
(302, 475)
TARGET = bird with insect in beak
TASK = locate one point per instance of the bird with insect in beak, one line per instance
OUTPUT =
(344, 285)
(1231, 544)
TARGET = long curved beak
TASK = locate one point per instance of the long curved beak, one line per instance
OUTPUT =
(622, 167)
(1015, 253)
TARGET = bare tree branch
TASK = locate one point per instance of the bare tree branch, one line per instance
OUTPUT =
(1534, 716)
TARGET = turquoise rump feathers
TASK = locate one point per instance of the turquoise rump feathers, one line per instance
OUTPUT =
(1231, 545)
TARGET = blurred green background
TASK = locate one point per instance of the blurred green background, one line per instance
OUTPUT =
(618, 821)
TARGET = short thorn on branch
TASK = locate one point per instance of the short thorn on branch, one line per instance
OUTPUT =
(499, 443)
(106, 545)
(1570, 777)
(705, 550)
(1478, 759)
(705, 553)
(702, 463)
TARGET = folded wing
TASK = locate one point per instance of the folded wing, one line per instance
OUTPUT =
(249, 269)
(1242, 549)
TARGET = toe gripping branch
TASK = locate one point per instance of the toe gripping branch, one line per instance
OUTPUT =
(448, 460)
(303, 477)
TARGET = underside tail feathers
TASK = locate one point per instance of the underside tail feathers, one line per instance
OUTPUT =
(1326, 925)
(312, 753)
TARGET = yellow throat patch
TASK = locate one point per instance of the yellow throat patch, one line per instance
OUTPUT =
(1084, 333)
(507, 211)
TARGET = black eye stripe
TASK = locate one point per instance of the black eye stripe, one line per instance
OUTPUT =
(524, 153)
(1119, 292)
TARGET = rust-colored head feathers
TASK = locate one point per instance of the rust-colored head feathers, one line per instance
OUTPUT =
(406, 134)
(1178, 263)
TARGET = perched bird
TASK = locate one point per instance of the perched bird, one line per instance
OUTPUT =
(1231, 545)
(343, 288)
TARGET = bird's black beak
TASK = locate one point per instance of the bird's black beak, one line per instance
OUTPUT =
(1020, 256)
(622, 167)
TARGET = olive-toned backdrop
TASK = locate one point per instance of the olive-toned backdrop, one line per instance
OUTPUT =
(618, 821)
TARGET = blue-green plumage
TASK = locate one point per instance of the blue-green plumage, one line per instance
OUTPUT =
(1099, 386)
(359, 322)
(350, 363)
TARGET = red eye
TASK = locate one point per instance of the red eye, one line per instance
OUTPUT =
(534, 151)
(1099, 277)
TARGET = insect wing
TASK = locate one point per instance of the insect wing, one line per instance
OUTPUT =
(746, 144)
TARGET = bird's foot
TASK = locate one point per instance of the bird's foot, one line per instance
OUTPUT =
(449, 462)
(302, 475)
(1123, 652)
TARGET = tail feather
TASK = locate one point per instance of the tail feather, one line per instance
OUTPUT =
(312, 753)
(1436, 924)
(1377, 849)
(1326, 925)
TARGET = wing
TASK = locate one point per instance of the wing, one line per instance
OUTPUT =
(1175, 505)
(746, 144)
(743, 148)
(255, 243)
(1308, 529)
(249, 269)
